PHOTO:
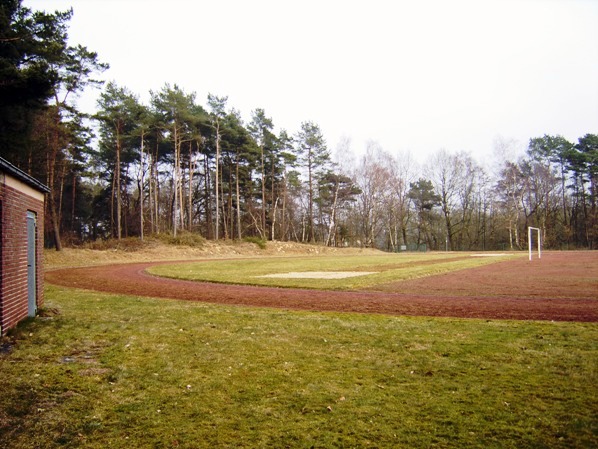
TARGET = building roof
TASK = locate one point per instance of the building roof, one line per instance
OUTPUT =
(7, 167)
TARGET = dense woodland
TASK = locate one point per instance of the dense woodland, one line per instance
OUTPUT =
(181, 165)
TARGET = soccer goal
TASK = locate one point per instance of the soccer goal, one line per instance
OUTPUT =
(530, 232)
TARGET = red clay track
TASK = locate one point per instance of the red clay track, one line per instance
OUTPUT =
(560, 287)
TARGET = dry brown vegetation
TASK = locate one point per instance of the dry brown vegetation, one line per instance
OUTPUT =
(133, 250)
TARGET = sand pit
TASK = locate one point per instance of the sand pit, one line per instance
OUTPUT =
(318, 274)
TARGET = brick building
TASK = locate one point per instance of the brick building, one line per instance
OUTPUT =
(21, 245)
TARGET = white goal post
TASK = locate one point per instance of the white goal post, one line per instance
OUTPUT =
(529, 241)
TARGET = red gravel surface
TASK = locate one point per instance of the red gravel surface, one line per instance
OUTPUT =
(562, 286)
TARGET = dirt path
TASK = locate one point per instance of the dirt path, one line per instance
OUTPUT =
(560, 287)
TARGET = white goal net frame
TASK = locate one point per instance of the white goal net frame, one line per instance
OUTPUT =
(530, 241)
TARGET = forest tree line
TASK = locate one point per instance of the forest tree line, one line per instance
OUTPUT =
(175, 165)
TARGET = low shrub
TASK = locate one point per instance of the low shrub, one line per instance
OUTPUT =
(256, 240)
(126, 244)
(183, 238)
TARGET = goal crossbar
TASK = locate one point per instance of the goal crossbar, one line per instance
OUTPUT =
(529, 240)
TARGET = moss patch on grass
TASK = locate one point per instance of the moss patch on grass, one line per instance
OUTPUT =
(115, 371)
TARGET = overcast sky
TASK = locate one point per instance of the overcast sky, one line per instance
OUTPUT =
(414, 76)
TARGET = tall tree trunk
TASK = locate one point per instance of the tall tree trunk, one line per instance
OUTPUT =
(230, 220)
(217, 180)
(54, 149)
(272, 201)
(273, 214)
(224, 206)
(141, 188)
(153, 200)
(310, 211)
(284, 208)
(55, 227)
(112, 194)
(150, 202)
(208, 198)
(181, 206)
(332, 224)
(263, 191)
(118, 193)
(190, 191)
(175, 182)
(157, 196)
(238, 195)
(62, 176)
(73, 200)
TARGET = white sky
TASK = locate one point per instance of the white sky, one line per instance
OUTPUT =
(414, 76)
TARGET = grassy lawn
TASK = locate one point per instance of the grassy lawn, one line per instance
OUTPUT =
(385, 267)
(104, 370)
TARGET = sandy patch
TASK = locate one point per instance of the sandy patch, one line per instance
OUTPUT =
(318, 274)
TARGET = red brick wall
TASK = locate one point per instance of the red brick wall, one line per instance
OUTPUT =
(14, 205)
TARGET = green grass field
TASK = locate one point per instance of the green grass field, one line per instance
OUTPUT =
(385, 267)
(102, 370)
